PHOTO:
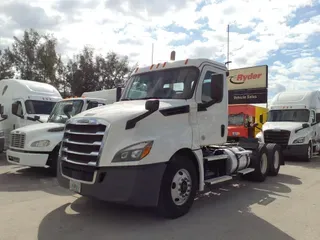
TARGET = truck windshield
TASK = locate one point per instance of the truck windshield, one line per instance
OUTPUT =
(39, 107)
(236, 119)
(290, 115)
(59, 115)
(175, 83)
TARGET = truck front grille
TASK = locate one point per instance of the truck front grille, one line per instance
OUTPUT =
(17, 140)
(81, 143)
(279, 137)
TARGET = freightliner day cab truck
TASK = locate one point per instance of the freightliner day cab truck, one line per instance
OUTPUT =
(31, 101)
(158, 147)
(245, 121)
(38, 145)
(294, 123)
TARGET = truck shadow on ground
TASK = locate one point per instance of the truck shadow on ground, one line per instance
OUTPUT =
(21, 179)
(313, 164)
(221, 213)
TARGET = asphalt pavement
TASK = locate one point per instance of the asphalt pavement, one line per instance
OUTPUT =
(33, 206)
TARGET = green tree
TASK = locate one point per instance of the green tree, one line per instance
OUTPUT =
(6, 70)
(87, 72)
(35, 58)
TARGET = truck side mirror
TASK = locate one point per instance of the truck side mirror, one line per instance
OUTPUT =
(14, 108)
(305, 125)
(118, 94)
(261, 118)
(1, 109)
(152, 105)
(217, 87)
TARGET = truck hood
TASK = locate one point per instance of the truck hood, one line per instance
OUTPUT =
(41, 127)
(127, 109)
(290, 126)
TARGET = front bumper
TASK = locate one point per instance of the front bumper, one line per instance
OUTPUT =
(296, 150)
(2, 141)
(27, 158)
(136, 186)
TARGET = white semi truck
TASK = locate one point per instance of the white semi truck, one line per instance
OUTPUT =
(162, 142)
(38, 145)
(24, 102)
(294, 123)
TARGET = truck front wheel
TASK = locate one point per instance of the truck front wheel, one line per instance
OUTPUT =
(307, 157)
(178, 187)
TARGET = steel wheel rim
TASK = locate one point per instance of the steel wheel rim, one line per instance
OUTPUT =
(276, 159)
(181, 187)
(264, 163)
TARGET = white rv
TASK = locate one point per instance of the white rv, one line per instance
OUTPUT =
(294, 123)
(25, 102)
(38, 145)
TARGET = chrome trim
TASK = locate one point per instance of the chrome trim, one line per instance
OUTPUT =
(76, 163)
(84, 133)
(65, 149)
(84, 143)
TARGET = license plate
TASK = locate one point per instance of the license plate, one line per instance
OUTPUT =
(75, 186)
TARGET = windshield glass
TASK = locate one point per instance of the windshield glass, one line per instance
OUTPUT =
(173, 83)
(59, 116)
(290, 115)
(236, 119)
(39, 107)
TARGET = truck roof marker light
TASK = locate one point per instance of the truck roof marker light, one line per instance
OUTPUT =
(164, 64)
(158, 65)
(151, 66)
(186, 62)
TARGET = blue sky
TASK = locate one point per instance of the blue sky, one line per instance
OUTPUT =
(282, 34)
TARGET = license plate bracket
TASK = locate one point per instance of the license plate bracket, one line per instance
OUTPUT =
(75, 186)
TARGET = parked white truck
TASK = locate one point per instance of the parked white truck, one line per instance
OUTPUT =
(24, 102)
(158, 146)
(294, 123)
(38, 145)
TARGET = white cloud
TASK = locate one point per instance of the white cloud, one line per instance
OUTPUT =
(130, 27)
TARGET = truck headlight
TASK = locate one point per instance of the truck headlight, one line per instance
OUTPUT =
(299, 140)
(40, 143)
(134, 152)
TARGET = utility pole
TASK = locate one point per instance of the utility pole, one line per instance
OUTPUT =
(228, 39)
(152, 49)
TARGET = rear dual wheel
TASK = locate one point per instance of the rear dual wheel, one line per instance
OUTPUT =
(275, 158)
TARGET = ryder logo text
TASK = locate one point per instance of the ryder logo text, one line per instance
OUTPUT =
(241, 78)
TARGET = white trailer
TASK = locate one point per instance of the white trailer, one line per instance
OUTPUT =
(24, 102)
(162, 142)
(38, 145)
(294, 123)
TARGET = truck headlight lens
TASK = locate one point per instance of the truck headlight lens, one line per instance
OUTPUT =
(299, 140)
(41, 143)
(134, 152)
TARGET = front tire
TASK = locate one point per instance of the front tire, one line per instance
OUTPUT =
(178, 187)
(308, 155)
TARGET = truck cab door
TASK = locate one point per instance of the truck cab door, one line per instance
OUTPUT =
(19, 115)
(212, 118)
(314, 126)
